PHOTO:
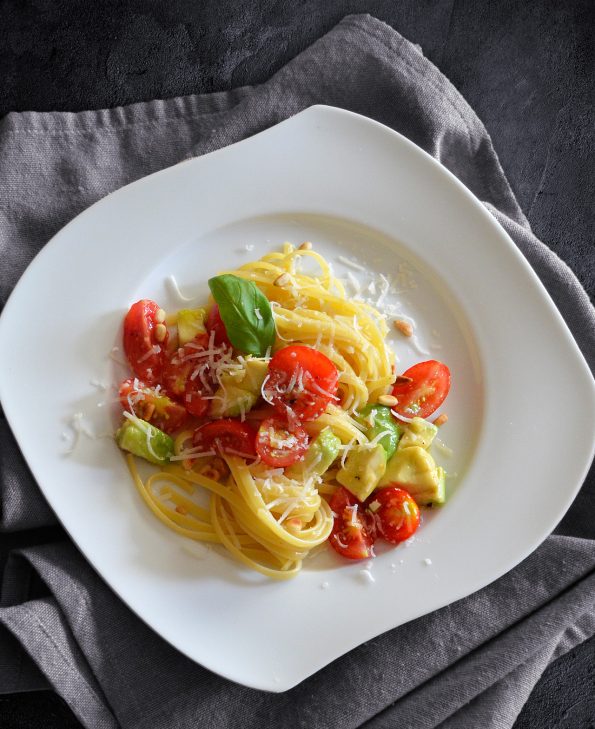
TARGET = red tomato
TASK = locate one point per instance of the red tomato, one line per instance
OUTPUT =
(278, 446)
(141, 347)
(152, 405)
(396, 513)
(353, 533)
(215, 324)
(194, 401)
(301, 382)
(186, 376)
(426, 392)
(226, 436)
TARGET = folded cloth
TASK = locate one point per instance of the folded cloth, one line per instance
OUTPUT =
(470, 664)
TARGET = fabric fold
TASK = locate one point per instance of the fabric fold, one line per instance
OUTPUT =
(474, 649)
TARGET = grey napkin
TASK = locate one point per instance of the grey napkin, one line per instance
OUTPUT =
(471, 664)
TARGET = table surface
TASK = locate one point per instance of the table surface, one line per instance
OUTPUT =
(526, 69)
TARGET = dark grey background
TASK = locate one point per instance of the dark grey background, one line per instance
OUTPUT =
(525, 67)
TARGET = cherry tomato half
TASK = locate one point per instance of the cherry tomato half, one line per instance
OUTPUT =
(186, 376)
(194, 400)
(353, 533)
(152, 405)
(143, 351)
(301, 382)
(278, 446)
(215, 324)
(395, 512)
(429, 386)
(226, 436)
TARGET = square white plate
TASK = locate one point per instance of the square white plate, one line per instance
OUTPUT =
(359, 190)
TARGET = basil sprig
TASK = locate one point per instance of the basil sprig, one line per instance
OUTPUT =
(238, 302)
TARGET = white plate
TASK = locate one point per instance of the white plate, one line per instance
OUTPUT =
(522, 407)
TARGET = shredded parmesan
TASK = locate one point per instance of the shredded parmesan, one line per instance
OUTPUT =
(367, 576)
(172, 284)
(441, 447)
(357, 289)
(192, 453)
(78, 427)
(416, 344)
(352, 264)
(398, 416)
(155, 349)
(346, 448)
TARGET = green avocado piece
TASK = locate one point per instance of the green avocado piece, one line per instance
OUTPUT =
(250, 377)
(191, 323)
(319, 457)
(256, 371)
(378, 419)
(145, 440)
(363, 469)
(415, 470)
(240, 389)
(231, 401)
(418, 433)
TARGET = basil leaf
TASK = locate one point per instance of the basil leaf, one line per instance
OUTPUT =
(238, 302)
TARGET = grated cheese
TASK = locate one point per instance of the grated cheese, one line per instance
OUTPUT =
(262, 390)
(172, 284)
(192, 453)
(99, 385)
(416, 345)
(401, 417)
(441, 446)
(155, 349)
(346, 448)
(350, 263)
(357, 289)
(78, 428)
(367, 576)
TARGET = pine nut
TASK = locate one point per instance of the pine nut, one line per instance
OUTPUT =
(306, 246)
(404, 327)
(160, 316)
(388, 400)
(440, 420)
(402, 380)
(160, 332)
(282, 280)
(212, 473)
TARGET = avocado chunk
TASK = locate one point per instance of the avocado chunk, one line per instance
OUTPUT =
(240, 389)
(418, 433)
(231, 402)
(248, 377)
(363, 469)
(191, 323)
(319, 457)
(256, 371)
(378, 419)
(415, 470)
(145, 440)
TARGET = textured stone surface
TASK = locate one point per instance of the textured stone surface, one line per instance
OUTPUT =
(526, 68)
